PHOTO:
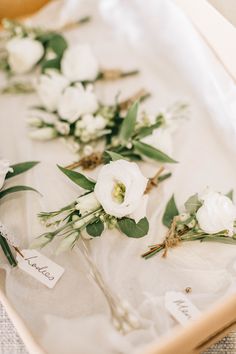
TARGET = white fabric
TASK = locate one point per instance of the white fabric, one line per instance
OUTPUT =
(73, 317)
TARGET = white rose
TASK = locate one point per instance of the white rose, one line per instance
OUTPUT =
(120, 188)
(46, 133)
(159, 139)
(76, 101)
(79, 63)
(23, 54)
(50, 88)
(87, 203)
(4, 169)
(217, 213)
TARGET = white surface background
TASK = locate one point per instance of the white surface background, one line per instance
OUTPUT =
(173, 67)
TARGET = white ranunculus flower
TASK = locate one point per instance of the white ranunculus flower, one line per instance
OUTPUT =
(4, 168)
(217, 213)
(160, 139)
(79, 63)
(76, 101)
(50, 88)
(120, 188)
(87, 203)
(23, 54)
(46, 133)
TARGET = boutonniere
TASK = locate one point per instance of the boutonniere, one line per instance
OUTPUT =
(118, 199)
(207, 217)
(7, 172)
(26, 48)
(137, 136)
(74, 114)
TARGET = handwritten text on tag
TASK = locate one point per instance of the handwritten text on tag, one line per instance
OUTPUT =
(180, 307)
(40, 267)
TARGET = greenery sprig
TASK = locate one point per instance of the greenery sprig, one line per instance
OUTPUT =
(15, 170)
(124, 140)
(86, 213)
(211, 218)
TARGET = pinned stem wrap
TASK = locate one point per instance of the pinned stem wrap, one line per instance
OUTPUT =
(172, 239)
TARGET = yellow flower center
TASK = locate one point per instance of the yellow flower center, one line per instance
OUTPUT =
(118, 192)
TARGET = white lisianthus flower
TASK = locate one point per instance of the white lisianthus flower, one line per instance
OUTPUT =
(217, 213)
(160, 139)
(62, 127)
(50, 88)
(87, 203)
(79, 63)
(23, 54)
(120, 188)
(76, 101)
(4, 169)
(46, 133)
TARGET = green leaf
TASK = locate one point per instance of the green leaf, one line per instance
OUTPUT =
(132, 229)
(58, 44)
(192, 204)
(51, 64)
(128, 124)
(170, 212)
(7, 251)
(230, 194)
(20, 168)
(16, 189)
(151, 152)
(164, 177)
(145, 131)
(95, 229)
(114, 155)
(78, 179)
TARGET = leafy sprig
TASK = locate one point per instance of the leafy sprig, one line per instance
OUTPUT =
(184, 227)
(16, 170)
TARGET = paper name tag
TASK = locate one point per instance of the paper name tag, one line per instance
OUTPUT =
(8, 235)
(180, 307)
(40, 267)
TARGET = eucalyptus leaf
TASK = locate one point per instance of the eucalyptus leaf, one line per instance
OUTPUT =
(95, 229)
(230, 194)
(114, 156)
(132, 229)
(128, 123)
(78, 179)
(170, 212)
(21, 168)
(14, 189)
(192, 204)
(164, 177)
(145, 131)
(151, 152)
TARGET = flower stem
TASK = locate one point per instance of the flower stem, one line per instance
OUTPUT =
(122, 315)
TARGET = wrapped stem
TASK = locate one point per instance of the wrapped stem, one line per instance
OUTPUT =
(122, 316)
